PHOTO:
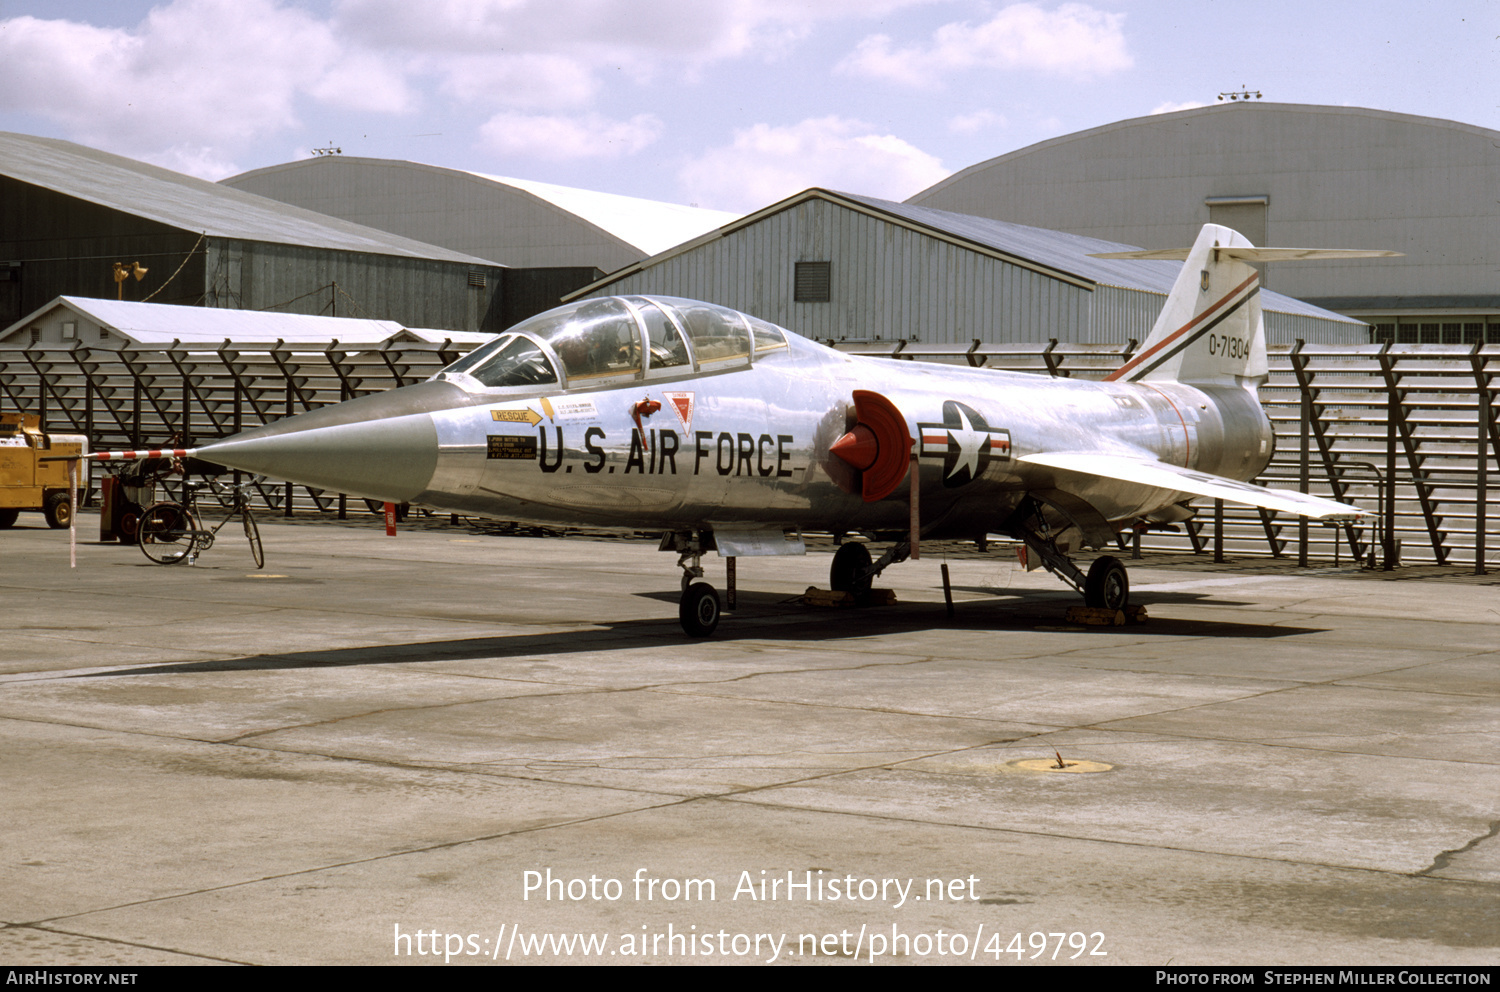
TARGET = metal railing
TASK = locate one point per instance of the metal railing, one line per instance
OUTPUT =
(1407, 430)
(137, 397)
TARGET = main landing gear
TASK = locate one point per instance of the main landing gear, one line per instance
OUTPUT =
(1106, 585)
(853, 572)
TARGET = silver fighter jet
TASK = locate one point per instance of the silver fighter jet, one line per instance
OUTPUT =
(725, 433)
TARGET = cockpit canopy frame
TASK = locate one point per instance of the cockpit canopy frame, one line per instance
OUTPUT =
(610, 341)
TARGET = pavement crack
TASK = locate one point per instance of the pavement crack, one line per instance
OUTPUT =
(1445, 858)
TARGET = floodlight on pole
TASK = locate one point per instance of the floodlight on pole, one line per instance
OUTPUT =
(123, 272)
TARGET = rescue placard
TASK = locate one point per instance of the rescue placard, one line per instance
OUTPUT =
(516, 416)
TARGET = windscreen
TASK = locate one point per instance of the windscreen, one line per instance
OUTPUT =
(518, 362)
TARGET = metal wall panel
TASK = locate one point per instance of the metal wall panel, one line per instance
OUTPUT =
(891, 281)
(68, 247)
(251, 275)
(888, 281)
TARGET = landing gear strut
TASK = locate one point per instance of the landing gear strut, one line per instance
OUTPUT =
(1106, 584)
(698, 610)
(852, 571)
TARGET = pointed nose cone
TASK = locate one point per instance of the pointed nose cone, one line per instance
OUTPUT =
(378, 447)
(859, 448)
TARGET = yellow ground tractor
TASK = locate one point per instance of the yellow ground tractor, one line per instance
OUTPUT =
(26, 481)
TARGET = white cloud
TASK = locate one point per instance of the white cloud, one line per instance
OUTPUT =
(568, 138)
(466, 41)
(1074, 41)
(1172, 108)
(195, 160)
(198, 83)
(684, 31)
(764, 164)
(979, 120)
(195, 74)
(529, 80)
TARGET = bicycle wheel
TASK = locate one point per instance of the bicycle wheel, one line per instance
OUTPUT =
(252, 534)
(165, 533)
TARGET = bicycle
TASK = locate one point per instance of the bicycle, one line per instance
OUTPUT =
(170, 532)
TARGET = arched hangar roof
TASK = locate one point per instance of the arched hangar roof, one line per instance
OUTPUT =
(516, 222)
(1326, 177)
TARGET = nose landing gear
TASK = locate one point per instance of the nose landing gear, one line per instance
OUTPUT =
(699, 609)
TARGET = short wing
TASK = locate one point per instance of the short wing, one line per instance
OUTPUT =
(1159, 475)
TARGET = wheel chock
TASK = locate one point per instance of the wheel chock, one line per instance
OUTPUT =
(1094, 616)
(830, 598)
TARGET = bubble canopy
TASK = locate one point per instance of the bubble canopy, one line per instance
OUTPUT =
(603, 342)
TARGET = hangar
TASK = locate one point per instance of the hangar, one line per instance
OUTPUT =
(1284, 175)
(843, 267)
(70, 322)
(72, 217)
(514, 222)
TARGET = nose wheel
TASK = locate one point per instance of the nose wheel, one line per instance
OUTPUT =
(699, 609)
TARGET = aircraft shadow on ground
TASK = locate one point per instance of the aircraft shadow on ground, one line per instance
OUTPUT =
(758, 617)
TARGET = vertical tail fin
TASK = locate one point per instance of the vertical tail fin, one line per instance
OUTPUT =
(1210, 331)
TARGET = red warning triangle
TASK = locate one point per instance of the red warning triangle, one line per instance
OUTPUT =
(683, 404)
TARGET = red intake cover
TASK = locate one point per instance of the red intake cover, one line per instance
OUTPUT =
(879, 446)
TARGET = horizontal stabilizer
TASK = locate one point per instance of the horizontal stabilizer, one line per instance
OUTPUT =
(1247, 253)
(1159, 475)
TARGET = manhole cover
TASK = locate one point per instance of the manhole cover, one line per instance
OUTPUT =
(1075, 766)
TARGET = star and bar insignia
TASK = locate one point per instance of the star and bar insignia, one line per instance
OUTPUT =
(965, 443)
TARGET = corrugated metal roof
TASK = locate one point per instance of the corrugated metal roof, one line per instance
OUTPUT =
(1055, 253)
(191, 204)
(650, 225)
(463, 339)
(162, 323)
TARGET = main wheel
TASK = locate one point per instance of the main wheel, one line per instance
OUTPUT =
(58, 510)
(699, 610)
(165, 533)
(8, 517)
(1107, 584)
(849, 561)
(252, 534)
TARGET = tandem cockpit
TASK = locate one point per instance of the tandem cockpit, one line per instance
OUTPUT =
(613, 341)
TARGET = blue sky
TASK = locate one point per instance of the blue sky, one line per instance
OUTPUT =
(729, 104)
